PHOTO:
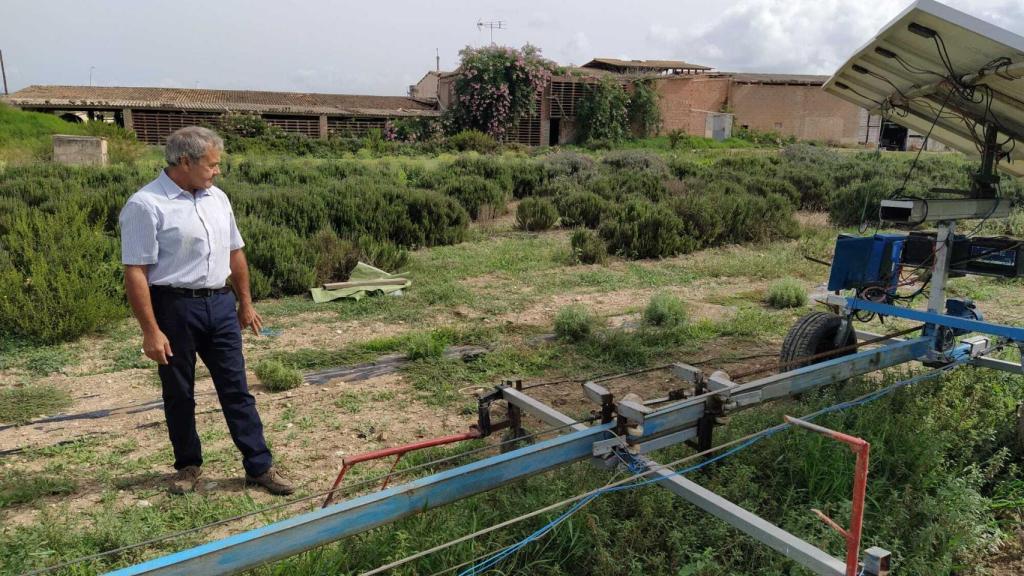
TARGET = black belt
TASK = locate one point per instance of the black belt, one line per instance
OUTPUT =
(191, 292)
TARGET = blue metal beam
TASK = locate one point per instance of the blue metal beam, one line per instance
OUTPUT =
(306, 531)
(1010, 332)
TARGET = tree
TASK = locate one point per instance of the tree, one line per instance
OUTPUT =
(497, 86)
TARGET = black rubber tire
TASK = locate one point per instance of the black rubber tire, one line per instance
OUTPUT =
(813, 334)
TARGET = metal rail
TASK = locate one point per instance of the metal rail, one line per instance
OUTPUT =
(306, 531)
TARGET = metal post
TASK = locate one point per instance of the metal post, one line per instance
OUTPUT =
(3, 71)
(943, 242)
(862, 449)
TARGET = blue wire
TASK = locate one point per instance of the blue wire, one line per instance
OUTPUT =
(505, 553)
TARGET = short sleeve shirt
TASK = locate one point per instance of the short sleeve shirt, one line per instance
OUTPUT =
(186, 239)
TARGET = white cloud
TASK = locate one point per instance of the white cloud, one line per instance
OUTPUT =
(578, 48)
(807, 36)
(659, 34)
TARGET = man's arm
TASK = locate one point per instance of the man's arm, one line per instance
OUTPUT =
(154, 342)
(247, 315)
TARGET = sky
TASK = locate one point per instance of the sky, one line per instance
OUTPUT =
(382, 47)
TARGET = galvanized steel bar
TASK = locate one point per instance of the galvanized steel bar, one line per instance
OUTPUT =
(789, 545)
(545, 413)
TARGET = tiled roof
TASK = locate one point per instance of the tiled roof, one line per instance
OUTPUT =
(219, 100)
(643, 64)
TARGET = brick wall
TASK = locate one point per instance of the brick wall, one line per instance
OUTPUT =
(806, 112)
(685, 102)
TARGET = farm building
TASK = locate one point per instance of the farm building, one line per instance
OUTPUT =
(702, 102)
(694, 99)
(153, 113)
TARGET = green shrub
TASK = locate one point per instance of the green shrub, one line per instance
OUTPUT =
(665, 310)
(787, 293)
(527, 177)
(61, 277)
(473, 140)
(536, 214)
(559, 186)
(858, 202)
(636, 161)
(494, 169)
(284, 258)
(587, 247)
(645, 230)
(276, 376)
(481, 198)
(335, 257)
(712, 218)
(406, 217)
(581, 208)
(575, 323)
(568, 164)
(425, 345)
(623, 183)
(382, 254)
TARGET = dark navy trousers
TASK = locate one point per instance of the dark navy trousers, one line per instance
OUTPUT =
(207, 326)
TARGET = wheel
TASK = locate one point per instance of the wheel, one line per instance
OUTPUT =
(813, 334)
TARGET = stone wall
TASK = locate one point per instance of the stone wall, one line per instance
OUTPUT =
(79, 150)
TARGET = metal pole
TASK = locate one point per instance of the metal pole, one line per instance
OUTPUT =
(3, 71)
(862, 449)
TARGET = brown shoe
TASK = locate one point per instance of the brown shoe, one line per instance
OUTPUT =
(185, 480)
(272, 481)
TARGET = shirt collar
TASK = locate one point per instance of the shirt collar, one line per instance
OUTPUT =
(171, 188)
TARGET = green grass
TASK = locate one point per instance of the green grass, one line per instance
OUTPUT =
(19, 405)
(276, 376)
(25, 137)
(28, 488)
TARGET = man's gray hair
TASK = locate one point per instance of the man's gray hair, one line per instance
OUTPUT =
(191, 142)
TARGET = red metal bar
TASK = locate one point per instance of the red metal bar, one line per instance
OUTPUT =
(862, 449)
(349, 461)
(391, 472)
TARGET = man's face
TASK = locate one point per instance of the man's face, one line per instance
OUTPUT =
(201, 173)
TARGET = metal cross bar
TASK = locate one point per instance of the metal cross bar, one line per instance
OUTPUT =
(545, 413)
(791, 546)
(1010, 332)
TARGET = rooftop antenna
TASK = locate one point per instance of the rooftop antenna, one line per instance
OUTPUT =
(437, 59)
(491, 25)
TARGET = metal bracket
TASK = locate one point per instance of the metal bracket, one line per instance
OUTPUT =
(632, 414)
(602, 397)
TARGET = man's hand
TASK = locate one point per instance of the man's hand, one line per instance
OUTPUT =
(248, 317)
(157, 347)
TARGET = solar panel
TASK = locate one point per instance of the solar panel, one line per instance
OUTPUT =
(935, 69)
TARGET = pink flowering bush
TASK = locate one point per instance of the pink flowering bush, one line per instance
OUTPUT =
(497, 86)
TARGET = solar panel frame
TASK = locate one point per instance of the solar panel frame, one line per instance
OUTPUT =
(914, 99)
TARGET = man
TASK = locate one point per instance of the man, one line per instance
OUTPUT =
(179, 245)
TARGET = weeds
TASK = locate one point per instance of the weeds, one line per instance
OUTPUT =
(276, 376)
(19, 405)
